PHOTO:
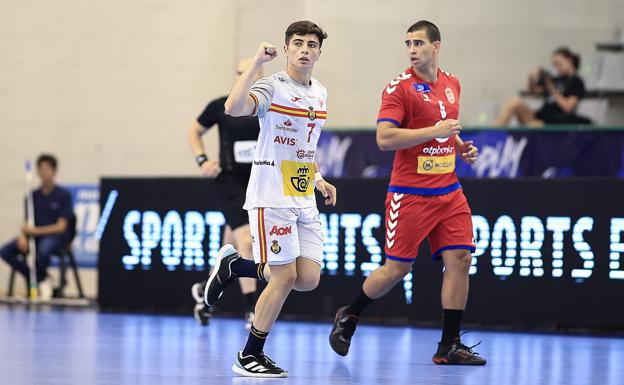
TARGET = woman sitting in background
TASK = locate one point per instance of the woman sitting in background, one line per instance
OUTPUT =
(561, 93)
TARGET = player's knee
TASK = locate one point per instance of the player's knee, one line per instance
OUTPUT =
(462, 262)
(285, 279)
(399, 270)
(307, 282)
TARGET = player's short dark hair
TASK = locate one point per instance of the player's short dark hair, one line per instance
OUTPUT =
(47, 158)
(568, 54)
(433, 33)
(305, 27)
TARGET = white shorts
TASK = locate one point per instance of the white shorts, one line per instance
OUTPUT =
(280, 235)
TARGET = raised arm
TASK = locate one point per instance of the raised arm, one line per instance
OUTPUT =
(239, 102)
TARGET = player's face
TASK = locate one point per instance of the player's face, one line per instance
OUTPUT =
(46, 172)
(303, 51)
(420, 50)
(563, 65)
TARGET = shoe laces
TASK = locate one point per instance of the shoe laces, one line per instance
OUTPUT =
(461, 346)
(267, 362)
(347, 323)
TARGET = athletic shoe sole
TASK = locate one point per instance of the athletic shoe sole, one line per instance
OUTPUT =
(444, 361)
(245, 373)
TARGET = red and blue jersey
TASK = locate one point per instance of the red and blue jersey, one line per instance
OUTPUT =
(410, 102)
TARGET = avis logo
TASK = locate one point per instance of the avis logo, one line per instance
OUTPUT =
(276, 230)
(284, 140)
(302, 180)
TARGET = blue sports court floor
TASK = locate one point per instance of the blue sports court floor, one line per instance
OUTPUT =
(86, 347)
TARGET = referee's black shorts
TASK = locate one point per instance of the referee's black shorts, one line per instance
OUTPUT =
(231, 191)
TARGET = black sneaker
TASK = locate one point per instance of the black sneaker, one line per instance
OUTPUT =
(257, 365)
(221, 275)
(344, 327)
(202, 313)
(457, 354)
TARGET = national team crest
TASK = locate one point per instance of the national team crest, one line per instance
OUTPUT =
(311, 113)
(449, 95)
(275, 247)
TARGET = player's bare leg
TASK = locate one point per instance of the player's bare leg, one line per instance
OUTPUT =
(308, 274)
(455, 286)
(378, 283)
(267, 309)
(273, 296)
(382, 280)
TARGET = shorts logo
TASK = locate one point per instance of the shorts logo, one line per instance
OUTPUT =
(393, 219)
(284, 140)
(275, 247)
(296, 178)
(311, 113)
(276, 230)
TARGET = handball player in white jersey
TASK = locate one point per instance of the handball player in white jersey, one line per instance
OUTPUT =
(285, 225)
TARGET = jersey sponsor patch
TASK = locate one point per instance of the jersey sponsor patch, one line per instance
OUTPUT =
(421, 87)
(450, 96)
(284, 140)
(244, 151)
(436, 164)
(296, 178)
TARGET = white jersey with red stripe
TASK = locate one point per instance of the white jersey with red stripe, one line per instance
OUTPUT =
(291, 117)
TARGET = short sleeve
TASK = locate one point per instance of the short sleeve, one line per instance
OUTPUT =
(392, 106)
(212, 113)
(67, 209)
(262, 92)
(576, 88)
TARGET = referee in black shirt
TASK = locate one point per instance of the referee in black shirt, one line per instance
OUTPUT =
(237, 141)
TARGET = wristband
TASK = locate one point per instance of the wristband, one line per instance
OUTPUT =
(318, 176)
(201, 159)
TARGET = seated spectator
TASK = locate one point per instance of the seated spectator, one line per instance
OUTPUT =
(561, 93)
(52, 211)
